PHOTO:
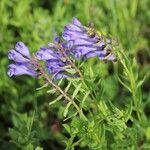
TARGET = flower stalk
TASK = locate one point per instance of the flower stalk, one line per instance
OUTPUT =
(46, 77)
(70, 61)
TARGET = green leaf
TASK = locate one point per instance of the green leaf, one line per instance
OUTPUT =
(73, 115)
(146, 146)
(67, 128)
(126, 86)
(30, 122)
(29, 147)
(66, 109)
(134, 6)
(52, 91)
(39, 148)
(91, 72)
(71, 70)
(14, 134)
(59, 83)
(67, 88)
(42, 87)
(85, 96)
(76, 90)
(127, 114)
(57, 99)
(141, 82)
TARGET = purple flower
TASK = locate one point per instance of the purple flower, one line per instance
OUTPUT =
(60, 76)
(77, 41)
(22, 59)
(22, 49)
(96, 53)
(55, 66)
(21, 69)
(16, 56)
(83, 50)
(68, 45)
(86, 42)
(47, 53)
(54, 59)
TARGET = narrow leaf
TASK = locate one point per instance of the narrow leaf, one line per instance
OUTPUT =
(72, 71)
(39, 148)
(141, 82)
(45, 85)
(52, 91)
(91, 72)
(67, 88)
(76, 90)
(126, 86)
(59, 83)
(127, 114)
(70, 116)
(66, 109)
(86, 95)
(66, 127)
(57, 99)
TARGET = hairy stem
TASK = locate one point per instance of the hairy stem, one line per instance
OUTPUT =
(70, 61)
(44, 74)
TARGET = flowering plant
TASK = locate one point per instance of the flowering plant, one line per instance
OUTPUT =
(90, 118)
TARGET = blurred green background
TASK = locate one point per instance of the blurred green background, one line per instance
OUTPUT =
(36, 22)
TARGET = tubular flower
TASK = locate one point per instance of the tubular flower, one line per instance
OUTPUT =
(21, 69)
(77, 41)
(86, 42)
(55, 62)
(22, 59)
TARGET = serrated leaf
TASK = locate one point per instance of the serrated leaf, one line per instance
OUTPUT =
(67, 88)
(76, 90)
(42, 87)
(66, 109)
(57, 99)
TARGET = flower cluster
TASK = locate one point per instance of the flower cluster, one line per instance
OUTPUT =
(22, 59)
(54, 59)
(77, 41)
(86, 42)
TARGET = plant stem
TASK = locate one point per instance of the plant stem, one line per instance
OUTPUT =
(132, 81)
(70, 61)
(44, 74)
